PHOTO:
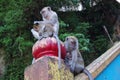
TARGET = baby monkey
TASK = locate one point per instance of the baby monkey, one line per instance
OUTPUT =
(35, 30)
(41, 30)
(46, 30)
(73, 58)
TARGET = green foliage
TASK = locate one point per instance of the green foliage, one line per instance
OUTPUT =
(63, 26)
(83, 41)
(82, 28)
(80, 31)
(72, 23)
(101, 44)
(15, 38)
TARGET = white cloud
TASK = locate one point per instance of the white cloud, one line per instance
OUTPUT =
(118, 1)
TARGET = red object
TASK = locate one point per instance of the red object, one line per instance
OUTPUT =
(47, 46)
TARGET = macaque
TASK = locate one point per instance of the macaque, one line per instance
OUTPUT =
(49, 17)
(74, 58)
(35, 31)
(47, 30)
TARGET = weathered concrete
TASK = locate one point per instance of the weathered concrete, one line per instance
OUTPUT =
(46, 68)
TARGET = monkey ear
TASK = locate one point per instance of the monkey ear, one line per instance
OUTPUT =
(49, 8)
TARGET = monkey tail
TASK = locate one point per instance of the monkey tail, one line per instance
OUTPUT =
(88, 74)
(59, 51)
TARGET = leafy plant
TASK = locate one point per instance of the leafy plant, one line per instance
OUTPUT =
(98, 44)
(83, 41)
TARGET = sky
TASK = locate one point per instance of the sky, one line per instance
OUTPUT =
(118, 1)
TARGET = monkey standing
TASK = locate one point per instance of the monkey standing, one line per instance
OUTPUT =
(50, 17)
(73, 58)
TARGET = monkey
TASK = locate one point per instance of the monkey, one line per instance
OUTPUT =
(74, 58)
(49, 17)
(47, 30)
(43, 30)
(35, 31)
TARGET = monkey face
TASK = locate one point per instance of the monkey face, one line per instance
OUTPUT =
(71, 40)
(45, 11)
(36, 27)
(70, 43)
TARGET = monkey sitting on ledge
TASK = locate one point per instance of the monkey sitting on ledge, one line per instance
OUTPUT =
(74, 58)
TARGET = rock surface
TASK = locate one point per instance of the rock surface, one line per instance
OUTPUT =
(46, 68)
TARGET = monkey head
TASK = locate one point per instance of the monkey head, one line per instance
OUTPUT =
(45, 11)
(36, 27)
(71, 43)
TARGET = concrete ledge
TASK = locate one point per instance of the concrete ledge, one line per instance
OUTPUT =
(46, 68)
(100, 63)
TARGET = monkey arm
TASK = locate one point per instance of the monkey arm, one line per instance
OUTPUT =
(74, 60)
(42, 23)
(74, 56)
(52, 20)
